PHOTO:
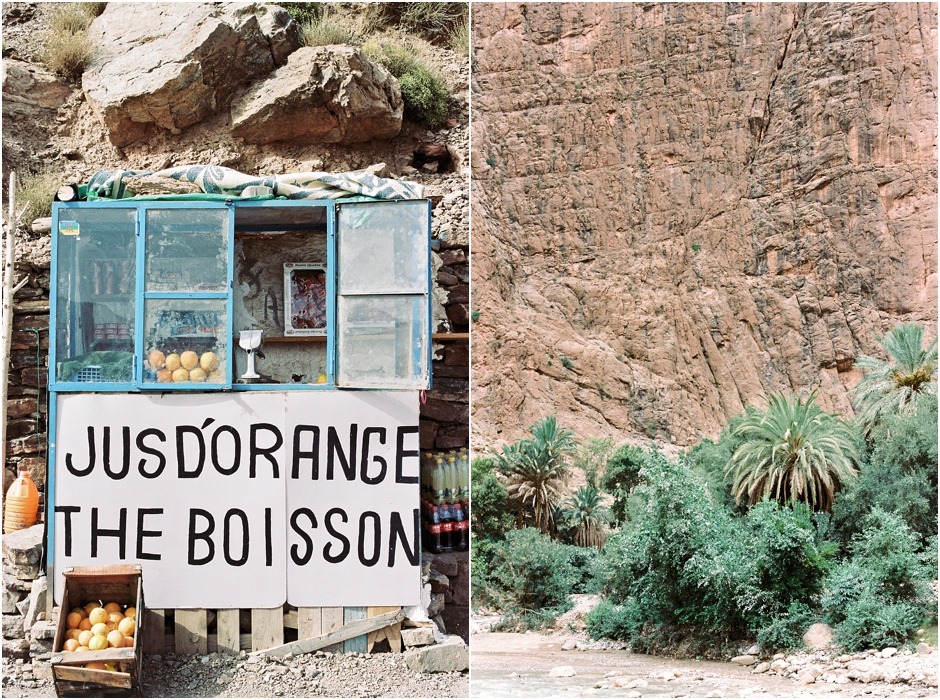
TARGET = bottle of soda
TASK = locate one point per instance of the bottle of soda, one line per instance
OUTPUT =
(460, 529)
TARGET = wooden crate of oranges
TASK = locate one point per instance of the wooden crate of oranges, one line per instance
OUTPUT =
(96, 652)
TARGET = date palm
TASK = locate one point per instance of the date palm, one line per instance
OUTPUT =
(537, 470)
(586, 515)
(792, 451)
(890, 386)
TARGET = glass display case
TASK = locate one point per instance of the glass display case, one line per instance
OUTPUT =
(152, 295)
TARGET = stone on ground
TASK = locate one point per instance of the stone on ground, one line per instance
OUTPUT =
(452, 655)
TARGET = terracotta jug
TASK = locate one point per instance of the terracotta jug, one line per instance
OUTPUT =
(22, 504)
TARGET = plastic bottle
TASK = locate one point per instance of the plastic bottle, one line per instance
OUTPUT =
(22, 504)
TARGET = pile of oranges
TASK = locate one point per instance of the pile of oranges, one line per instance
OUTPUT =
(96, 627)
(187, 366)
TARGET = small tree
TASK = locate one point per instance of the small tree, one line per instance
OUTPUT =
(586, 516)
(792, 451)
(890, 386)
(621, 475)
(537, 471)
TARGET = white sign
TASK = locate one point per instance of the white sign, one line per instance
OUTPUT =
(243, 500)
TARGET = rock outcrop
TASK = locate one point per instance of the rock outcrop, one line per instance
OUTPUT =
(679, 208)
(171, 66)
(325, 94)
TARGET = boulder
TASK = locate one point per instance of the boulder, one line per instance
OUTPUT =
(818, 636)
(10, 598)
(562, 672)
(12, 626)
(171, 66)
(417, 636)
(450, 656)
(325, 94)
(744, 660)
(37, 602)
(22, 552)
(30, 91)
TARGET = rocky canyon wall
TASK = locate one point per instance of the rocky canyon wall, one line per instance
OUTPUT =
(679, 208)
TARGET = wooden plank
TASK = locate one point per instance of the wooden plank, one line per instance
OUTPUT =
(360, 643)
(357, 628)
(115, 679)
(391, 633)
(111, 656)
(191, 634)
(227, 630)
(309, 623)
(267, 628)
(153, 631)
(290, 619)
(332, 620)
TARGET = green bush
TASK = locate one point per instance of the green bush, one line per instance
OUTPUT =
(610, 621)
(900, 474)
(710, 459)
(881, 594)
(528, 573)
(426, 98)
(583, 562)
(785, 632)
(621, 475)
(491, 514)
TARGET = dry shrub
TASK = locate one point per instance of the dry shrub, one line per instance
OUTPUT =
(36, 191)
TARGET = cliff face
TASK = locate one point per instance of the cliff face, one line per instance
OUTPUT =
(679, 208)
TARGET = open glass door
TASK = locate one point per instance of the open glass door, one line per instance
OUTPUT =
(382, 320)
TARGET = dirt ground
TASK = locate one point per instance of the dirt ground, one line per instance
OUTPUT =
(220, 676)
(521, 665)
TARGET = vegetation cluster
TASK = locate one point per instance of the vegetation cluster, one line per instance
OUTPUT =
(791, 516)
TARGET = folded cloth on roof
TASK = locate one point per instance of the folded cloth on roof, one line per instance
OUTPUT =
(214, 179)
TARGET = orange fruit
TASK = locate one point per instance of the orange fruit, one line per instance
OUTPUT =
(164, 375)
(209, 361)
(131, 612)
(84, 624)
(71, 645)
(98, 615)
(115, 617)
(83, 648)
(197, 375)
(189, 360)
(99, 665)
(73, 634)
(73, 620)
(80, 611)
(127, 626)
(128, 641)
(173, 362)
(84, 637)
(181, 375)
(100, 628)
(156, 359)
(115, 639)
(91, 606)
(113, 607)
(98, 642)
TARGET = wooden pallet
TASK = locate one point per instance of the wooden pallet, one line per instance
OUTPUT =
(193, 633)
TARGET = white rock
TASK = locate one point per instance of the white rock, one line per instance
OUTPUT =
(888, 652)
(562, 672)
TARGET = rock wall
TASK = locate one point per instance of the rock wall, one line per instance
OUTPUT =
(679, 208)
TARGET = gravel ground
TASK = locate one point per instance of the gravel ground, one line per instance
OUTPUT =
(312, 675)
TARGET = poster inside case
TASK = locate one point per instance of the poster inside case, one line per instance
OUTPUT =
(305, 299)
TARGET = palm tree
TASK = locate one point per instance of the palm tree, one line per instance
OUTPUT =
(537, 471)
(792, 451)
(890, 386)
(587, 516)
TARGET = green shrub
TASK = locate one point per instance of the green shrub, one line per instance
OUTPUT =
(785, 632)
(610, 621)
(528, 573)
(491, 514)
(304, 11)
(423, 91)
(881, 594)
(710, 459)
(583, 562)
(873, 624)
(900, 475)
(621, 475)
(425, 96)
(36, 191)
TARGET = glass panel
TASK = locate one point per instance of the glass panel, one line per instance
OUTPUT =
(185, 341)
(383, 341)
(383, 247)
(96, 277)
(187, 250)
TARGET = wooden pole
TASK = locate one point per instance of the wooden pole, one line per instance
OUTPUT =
(6, 322)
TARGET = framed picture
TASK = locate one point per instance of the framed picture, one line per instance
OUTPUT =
(304, 299)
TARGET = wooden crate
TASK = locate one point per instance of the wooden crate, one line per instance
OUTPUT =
(122, 584)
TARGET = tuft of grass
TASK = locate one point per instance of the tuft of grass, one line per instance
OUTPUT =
(474, 316)
(66, 48)
(460, 40)
(566, 363)
(423, 90)
(435, 21)
(327, 30)
(36, 191)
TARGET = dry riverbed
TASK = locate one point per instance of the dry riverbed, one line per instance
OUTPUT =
(564, 664)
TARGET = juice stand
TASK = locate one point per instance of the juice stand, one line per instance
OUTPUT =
(234, 389)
